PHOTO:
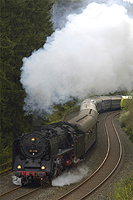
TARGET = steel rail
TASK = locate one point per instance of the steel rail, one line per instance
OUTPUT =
(101, 165)
(28, 193)
(31, 192)
(118, 162)
(8, 192)
(23, 195)
(104, 160)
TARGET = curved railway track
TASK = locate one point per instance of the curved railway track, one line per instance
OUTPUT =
(18, 193)
(107, 167)
(94, 181)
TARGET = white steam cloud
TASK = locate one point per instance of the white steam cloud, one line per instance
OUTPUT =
(16, 180)
(93, 53)
(73, 176)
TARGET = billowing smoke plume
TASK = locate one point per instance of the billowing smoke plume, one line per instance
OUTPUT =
(131, 1)
(93, 53)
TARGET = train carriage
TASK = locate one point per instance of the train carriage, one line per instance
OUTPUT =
(106, 103)
(115, 102)
(87, 120)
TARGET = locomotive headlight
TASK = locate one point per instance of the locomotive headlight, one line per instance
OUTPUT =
(33, 139)
(19, 166)
(42, 167)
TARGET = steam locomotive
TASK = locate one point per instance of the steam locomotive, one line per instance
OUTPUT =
(48, 150)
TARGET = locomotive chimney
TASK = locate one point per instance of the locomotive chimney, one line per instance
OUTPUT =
(36, 128)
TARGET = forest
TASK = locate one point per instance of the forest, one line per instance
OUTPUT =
(25, 26)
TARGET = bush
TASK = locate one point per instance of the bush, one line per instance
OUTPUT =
(60, 111)
(126, 118)
(124, 189)
(6, 149)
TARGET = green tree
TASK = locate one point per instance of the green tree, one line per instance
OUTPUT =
(25, 25)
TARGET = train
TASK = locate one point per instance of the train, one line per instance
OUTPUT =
(51, 149)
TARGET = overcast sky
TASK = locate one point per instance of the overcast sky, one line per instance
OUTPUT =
(131, 1)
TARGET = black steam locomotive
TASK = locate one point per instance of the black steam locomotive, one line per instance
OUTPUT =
(48, 150)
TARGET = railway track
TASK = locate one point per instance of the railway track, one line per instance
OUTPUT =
(107, 167)
(92, 183)
(19, 193)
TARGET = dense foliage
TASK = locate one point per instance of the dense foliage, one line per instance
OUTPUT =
(126, 118)
(124, 189)
(25, 24)
(63, 111)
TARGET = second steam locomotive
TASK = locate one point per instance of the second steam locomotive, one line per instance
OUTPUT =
(48, 150)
